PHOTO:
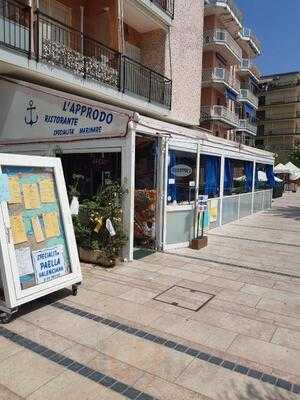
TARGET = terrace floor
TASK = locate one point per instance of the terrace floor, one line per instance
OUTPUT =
(224, 324)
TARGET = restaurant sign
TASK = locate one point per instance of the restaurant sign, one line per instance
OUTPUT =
(34, 113)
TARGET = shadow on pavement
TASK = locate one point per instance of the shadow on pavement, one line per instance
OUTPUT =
(290, 212)
(251, 392)
(42, 302)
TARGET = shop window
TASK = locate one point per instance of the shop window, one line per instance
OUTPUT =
(92, 171)
(238, 177)
(264, 177)
(181, 177)
(209, 175)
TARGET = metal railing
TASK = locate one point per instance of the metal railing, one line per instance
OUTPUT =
(15, 26)
(283, 130)
(221, 75)
(248, 95)
(282, 100)
(248, 65)
(219, 113)
(284, 115)
(247, 33)
(68, 48)
(166, 5)
(245, 124)
(146, 83)
(231, 4)
(222, 36)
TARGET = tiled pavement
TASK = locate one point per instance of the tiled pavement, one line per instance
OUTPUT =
(113, 341)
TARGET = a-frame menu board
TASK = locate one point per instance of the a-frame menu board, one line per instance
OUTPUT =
(38, 252)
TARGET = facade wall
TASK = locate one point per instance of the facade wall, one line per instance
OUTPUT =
(280, 114)
(184, 60)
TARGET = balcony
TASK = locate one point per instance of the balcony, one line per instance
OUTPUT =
(145, 83)
(220, 77)
(281, 131)
(15, 26)
(227, 12)
(248, 36)
(282, 100)
(66, 48)
(246, 126)
(220, 40)
(248, 96)
(166, 5)
(274, 116)
(219, 113)
(247, 67)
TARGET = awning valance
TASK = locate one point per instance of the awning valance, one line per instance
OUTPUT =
(230, 95)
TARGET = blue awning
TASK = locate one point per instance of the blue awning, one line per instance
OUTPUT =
(230, 94)
(250, 110)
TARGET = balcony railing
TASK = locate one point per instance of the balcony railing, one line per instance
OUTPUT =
(146, 83)
(221, 75)
(221, 36)
(220, 113)
(15, 26)
(68, 48)
(282, 115)
(231, 4)
(248, 65)
(166, 5)
(282, 100)
(250, 97)
(246, 125)
(247, 33)
(280, 131)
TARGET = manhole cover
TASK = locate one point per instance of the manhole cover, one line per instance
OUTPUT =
(184, 297)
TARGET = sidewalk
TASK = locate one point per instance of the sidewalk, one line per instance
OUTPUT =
(224, 324)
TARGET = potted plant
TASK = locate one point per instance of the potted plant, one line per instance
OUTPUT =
(98, 226)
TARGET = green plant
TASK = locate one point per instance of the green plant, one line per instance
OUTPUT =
(90, 224)
(294, 157)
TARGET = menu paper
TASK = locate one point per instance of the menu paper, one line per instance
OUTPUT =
(15, 196)
(31, 196)
(37, 229)
(47, 191)
(18, 229)
(24, 261)
(51, 224)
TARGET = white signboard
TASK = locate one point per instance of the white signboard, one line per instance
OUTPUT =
(33, 113)
(49, 264)
(202, 202)
(181, 170)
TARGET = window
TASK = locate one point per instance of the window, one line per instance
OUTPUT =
(181, 177)
(209, 175)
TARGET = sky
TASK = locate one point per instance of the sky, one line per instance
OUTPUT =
(276, 23)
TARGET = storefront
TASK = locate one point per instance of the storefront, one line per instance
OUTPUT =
(163, 166)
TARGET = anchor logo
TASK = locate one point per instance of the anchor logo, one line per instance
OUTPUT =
(31, 114)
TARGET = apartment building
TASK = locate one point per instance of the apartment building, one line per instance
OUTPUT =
(229, 77)
(124, 52)
(279, 114)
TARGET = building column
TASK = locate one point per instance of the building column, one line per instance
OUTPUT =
(128, 182)
(253, 186)
(222, 186)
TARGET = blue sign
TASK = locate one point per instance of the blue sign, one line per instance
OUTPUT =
(49, 264)
(4, 192)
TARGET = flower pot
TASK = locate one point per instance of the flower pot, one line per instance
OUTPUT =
(97, 257)
(199, 243)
